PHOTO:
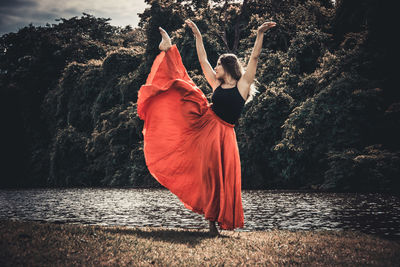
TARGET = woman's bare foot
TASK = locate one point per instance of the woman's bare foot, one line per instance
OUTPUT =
(213, 229)
(165, 43)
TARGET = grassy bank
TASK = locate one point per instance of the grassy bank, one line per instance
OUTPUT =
(42, 244)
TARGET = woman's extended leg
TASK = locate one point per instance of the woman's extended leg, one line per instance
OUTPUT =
(165, 43)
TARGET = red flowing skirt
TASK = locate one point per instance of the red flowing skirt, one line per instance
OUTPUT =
(189, 149)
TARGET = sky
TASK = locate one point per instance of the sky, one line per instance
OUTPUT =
(16, 14)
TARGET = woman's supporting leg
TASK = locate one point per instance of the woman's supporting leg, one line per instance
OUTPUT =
(213, 229)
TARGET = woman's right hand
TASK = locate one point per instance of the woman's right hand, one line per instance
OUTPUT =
(194, 28)
(266, 26)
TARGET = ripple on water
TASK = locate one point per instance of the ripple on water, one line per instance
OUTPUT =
(370, 213)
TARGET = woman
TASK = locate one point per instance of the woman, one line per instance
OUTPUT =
(190, 145)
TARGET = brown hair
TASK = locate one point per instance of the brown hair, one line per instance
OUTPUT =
(231, 65)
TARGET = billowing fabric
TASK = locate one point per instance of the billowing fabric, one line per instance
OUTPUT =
(189, 149)
(228, 103)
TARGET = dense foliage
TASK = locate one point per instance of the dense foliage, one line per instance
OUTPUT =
(327, 115)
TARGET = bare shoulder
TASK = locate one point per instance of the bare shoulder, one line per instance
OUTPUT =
(243, 87)
(217, 83)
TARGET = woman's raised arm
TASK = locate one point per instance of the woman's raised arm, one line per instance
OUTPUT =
(250, 72)
(208, 70)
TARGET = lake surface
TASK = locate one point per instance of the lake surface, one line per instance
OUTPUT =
(370, 213)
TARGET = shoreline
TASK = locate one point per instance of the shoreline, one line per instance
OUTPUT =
(45, 243)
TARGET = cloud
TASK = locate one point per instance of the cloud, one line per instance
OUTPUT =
(15, 14)
(16, 3)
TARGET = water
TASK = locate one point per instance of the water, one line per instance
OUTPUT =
(371, 213)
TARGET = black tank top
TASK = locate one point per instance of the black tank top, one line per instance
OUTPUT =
(228, 103)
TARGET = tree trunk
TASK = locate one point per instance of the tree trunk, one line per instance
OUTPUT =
(237, 25)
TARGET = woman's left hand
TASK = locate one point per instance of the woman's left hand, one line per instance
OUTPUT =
(265, 26)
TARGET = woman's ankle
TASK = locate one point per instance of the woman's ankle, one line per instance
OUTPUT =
(164, 47)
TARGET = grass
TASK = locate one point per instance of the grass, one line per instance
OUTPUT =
(43, 244)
